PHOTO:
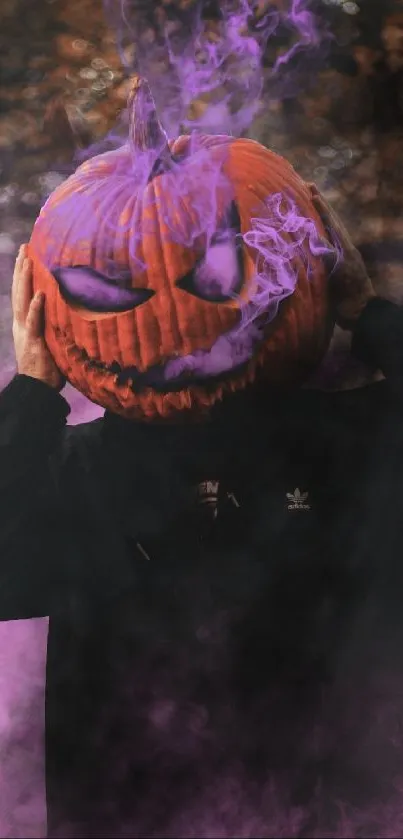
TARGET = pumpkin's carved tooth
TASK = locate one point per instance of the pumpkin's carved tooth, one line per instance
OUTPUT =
(126, 374)
(93, 363)
(115, 367)
(130, 384)
(74, 352)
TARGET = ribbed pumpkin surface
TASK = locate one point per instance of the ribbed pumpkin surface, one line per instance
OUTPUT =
(98, 217)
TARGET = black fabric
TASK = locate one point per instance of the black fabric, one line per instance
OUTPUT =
(378, 337)
(182, 653)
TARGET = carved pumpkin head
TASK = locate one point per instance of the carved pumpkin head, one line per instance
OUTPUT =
(174, 273)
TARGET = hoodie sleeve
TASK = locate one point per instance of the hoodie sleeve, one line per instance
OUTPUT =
(32, 422)
(378, 338)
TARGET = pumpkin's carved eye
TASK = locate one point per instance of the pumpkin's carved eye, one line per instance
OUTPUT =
(84, 286)
(218, 276)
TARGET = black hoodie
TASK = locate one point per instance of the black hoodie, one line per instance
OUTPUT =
(210, 589)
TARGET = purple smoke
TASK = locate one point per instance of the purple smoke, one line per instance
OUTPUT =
(306, 24)
(221, 74)
(231, 66)
(218, 275)
(275, 279)
(277, 250)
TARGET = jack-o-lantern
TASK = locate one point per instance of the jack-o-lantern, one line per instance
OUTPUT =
(152, 262)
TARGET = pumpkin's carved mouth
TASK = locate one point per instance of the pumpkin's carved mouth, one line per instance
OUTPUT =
(226, 358)
(155, 377)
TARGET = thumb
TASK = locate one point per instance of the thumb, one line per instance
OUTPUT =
(329, 253)
(313, 189)
(34, 323)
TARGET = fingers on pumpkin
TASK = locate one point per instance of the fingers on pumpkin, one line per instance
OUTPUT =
(35, 317)
(330, 254)
(336, 230)
(87, 287)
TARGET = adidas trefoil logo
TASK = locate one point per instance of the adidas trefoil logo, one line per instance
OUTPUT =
(298, 500)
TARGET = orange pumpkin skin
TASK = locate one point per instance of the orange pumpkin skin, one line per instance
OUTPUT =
(172, 323)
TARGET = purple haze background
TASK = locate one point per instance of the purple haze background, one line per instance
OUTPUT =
(233, 68)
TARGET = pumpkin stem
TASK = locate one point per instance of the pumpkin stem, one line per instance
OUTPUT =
(147, 135)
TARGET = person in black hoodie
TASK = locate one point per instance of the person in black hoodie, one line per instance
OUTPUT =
(204, 581)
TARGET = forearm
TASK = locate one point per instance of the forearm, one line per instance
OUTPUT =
(32, 418)
(378, 337)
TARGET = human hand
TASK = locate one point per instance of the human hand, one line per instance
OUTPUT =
(32, 355)
(350, 285)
